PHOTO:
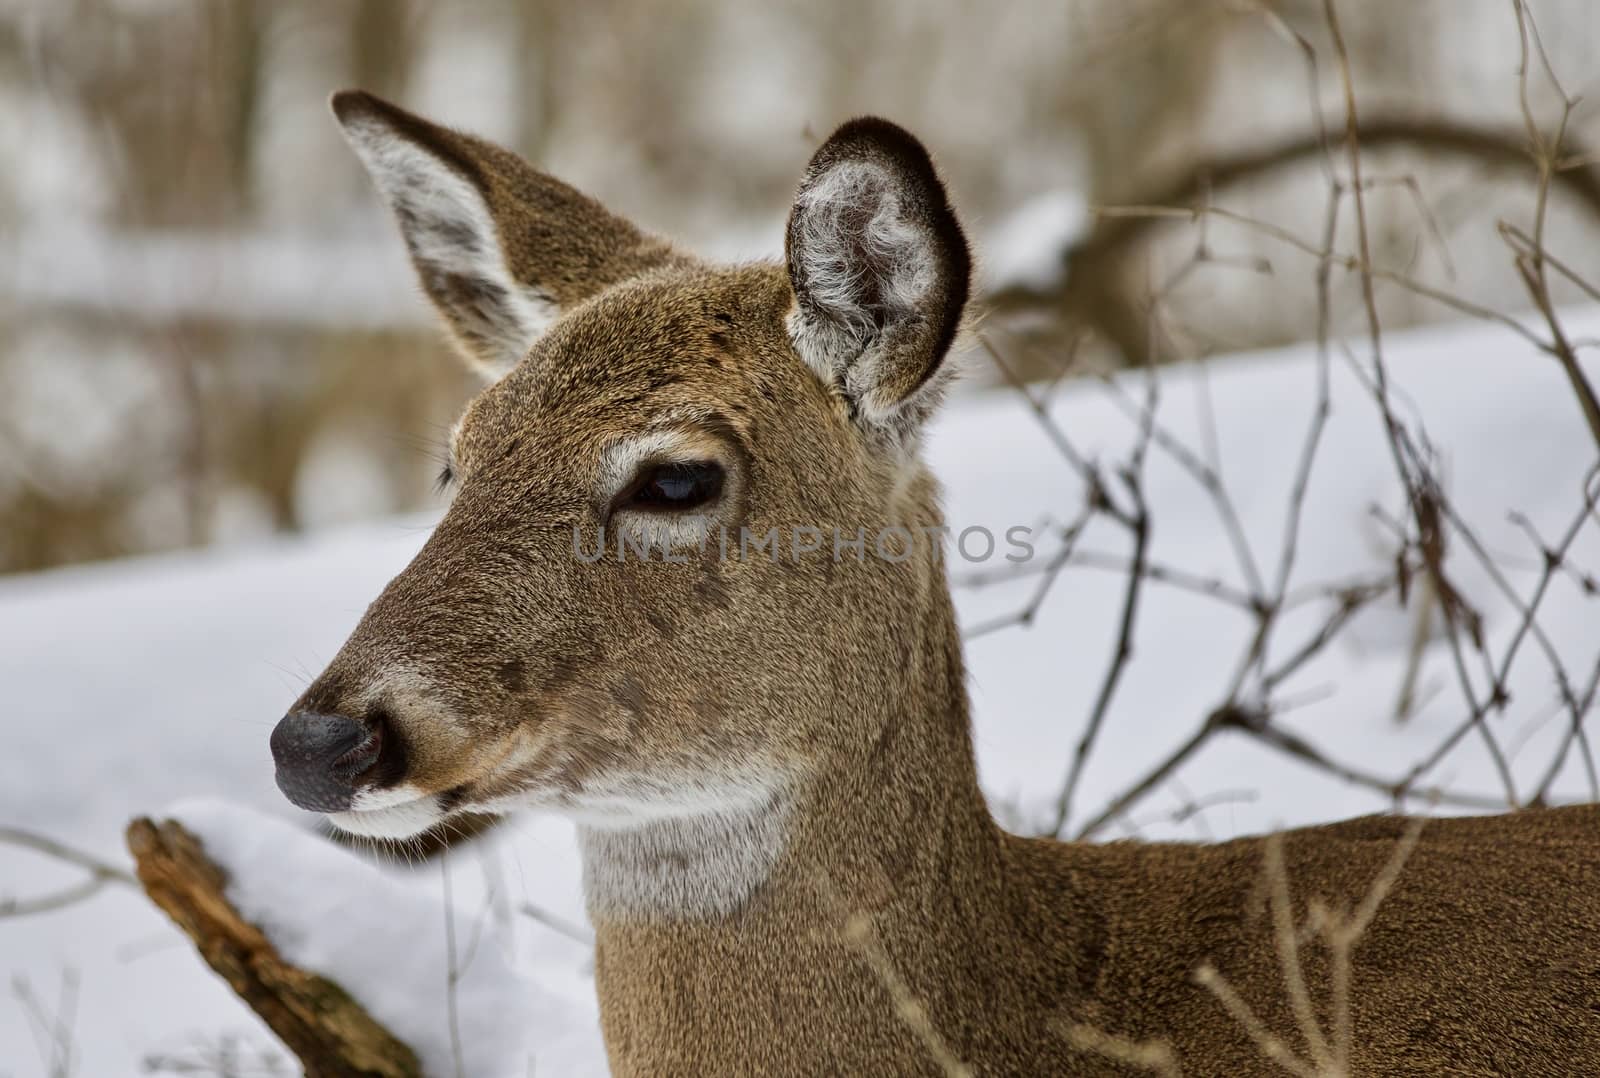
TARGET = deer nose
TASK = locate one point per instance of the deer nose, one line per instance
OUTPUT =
(320, 757)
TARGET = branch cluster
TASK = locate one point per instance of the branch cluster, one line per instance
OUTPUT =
(1428, 537)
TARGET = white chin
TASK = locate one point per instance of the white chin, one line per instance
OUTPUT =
(392, 821)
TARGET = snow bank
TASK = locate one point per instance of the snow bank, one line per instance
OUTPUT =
(387, 941)
(1510, 438)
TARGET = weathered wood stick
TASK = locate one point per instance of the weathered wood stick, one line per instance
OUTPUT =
(327, 1030)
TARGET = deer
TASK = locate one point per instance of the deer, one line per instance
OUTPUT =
(766, 755)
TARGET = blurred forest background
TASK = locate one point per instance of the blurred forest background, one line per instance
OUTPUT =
(209, 333)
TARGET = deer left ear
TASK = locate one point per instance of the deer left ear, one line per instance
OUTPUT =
(880, 271)
(501, 248)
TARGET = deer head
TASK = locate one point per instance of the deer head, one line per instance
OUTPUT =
(646, 600)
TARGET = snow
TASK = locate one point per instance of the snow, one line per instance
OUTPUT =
(134, 685)
(1510, 438)
(315, 902)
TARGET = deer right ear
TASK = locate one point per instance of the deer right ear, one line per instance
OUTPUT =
(880, 272)
(501, 248)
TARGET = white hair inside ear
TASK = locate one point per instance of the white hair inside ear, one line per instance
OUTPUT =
(866, 261)
(453, 242)
(881, 274)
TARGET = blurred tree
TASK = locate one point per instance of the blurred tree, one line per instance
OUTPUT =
(176, 197)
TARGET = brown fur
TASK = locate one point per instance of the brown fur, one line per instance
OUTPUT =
(511, 670)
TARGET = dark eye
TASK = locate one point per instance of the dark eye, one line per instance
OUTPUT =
(675, 487)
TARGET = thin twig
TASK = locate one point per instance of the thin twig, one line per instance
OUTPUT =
(100, 874)
(1154, 1056)
(557, 924)
(452, 973)
(1267, 1043)
(1288, 948)
(859, 934)
(1122, 652)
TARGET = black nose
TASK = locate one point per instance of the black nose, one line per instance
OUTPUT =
(319, 758)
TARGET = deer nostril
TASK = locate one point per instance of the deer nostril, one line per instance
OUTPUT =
(366, 752)
(319, 756)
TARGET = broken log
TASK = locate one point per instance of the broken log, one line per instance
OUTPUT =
(327, 1030)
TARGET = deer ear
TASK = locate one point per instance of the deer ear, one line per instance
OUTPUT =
(501, 248)
(880, 271)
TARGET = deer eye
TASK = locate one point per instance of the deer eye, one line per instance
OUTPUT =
(676, 487)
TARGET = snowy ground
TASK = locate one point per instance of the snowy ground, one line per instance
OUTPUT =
(133, 686)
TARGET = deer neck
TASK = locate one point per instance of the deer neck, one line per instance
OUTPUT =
(899, 822)
(894, 808)
(763, 910)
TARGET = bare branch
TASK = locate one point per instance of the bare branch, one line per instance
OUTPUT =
(1154, 1056)
(557, 924)
(859, 934)
(325, 1028)
(100, 874)
(1120, 655)
(1267, 1043)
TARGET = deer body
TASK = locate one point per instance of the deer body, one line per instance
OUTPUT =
(1031, 937)
(768, 758)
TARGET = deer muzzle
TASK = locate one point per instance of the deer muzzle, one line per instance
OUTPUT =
(322, 759)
